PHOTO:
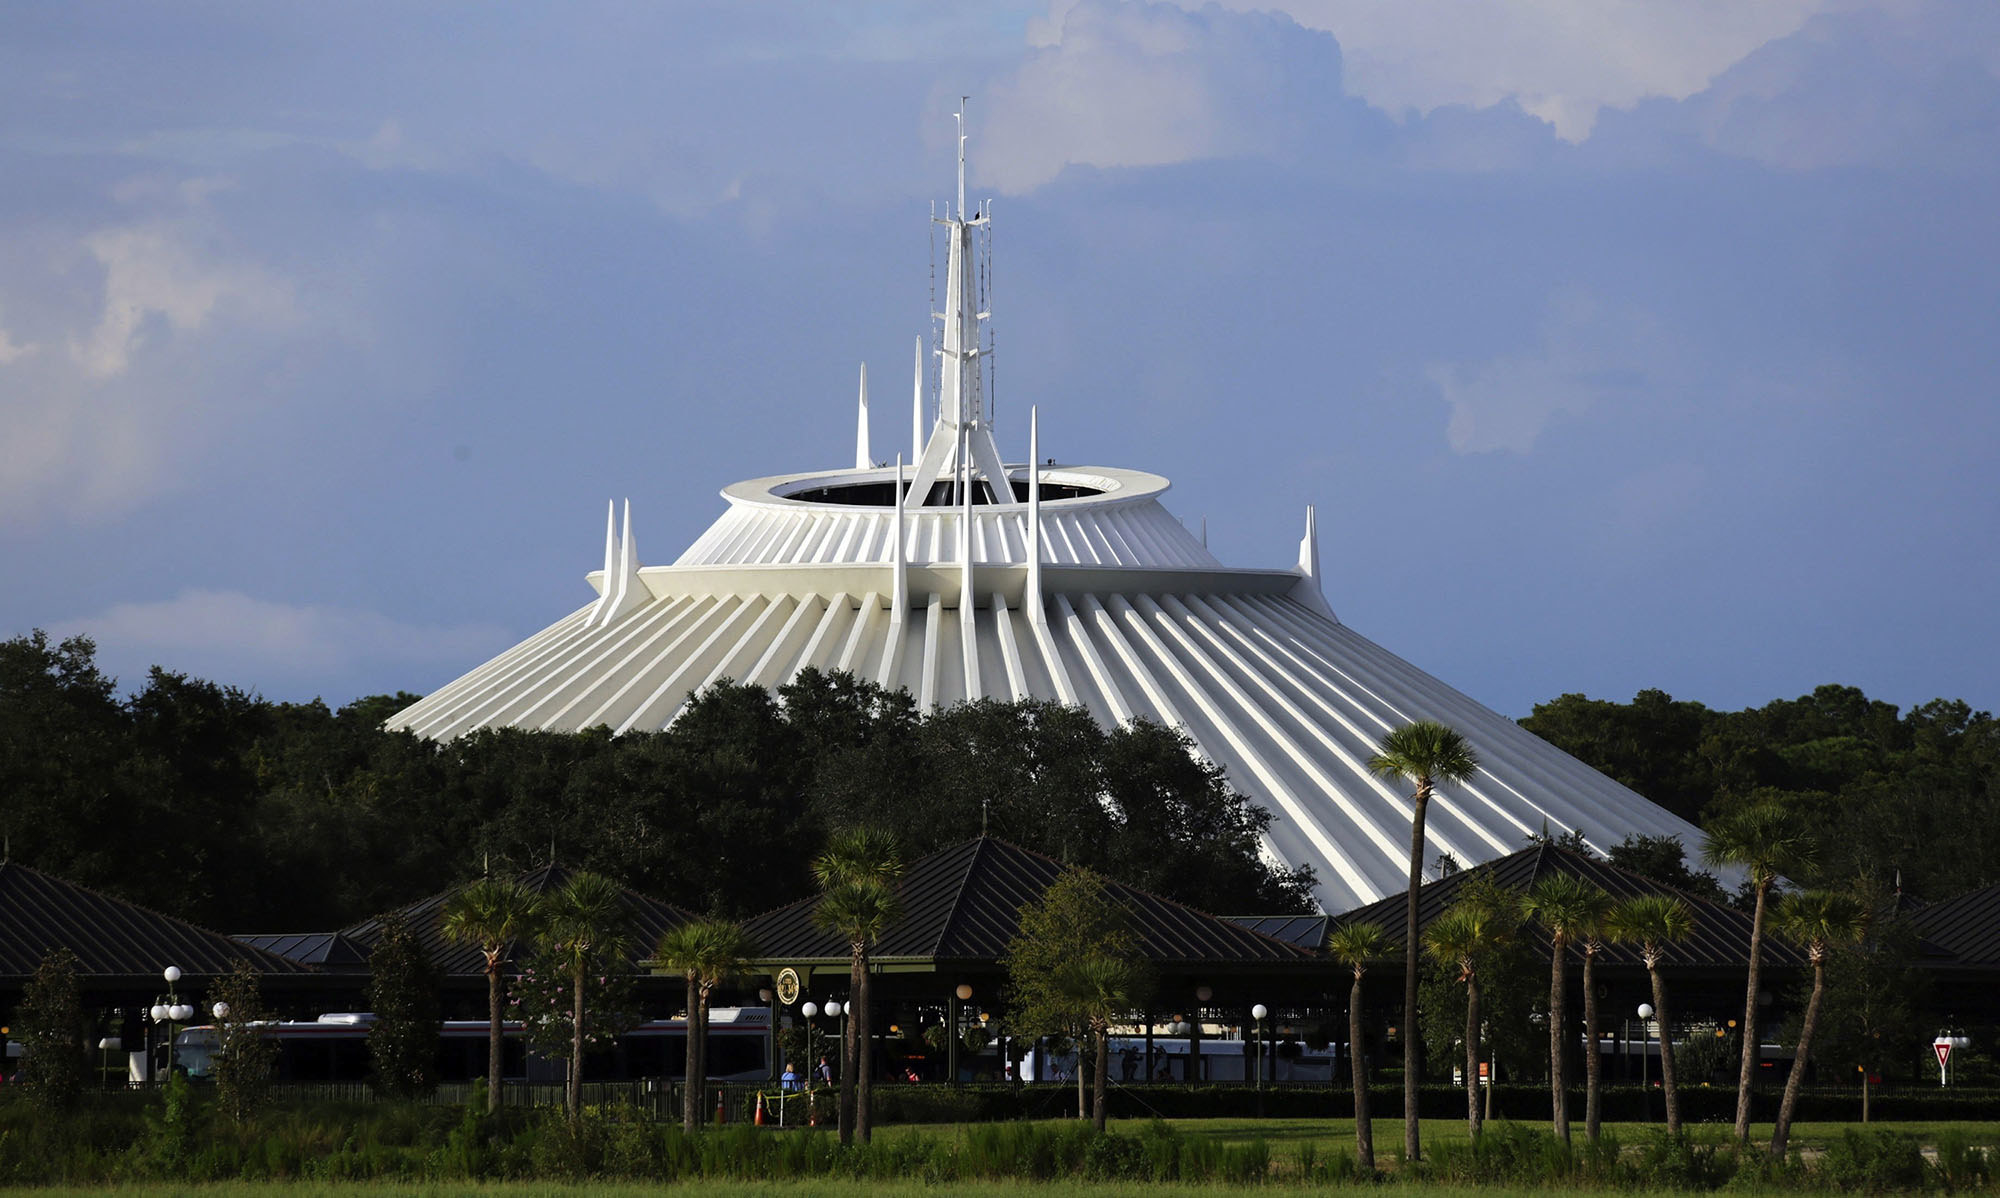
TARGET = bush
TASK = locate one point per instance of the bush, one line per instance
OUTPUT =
(1872, 1162)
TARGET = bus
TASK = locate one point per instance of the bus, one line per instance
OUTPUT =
(334, 1048)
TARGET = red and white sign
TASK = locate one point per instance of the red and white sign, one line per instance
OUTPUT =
(1943, 1050)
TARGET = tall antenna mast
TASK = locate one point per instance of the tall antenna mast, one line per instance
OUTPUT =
(961, 441)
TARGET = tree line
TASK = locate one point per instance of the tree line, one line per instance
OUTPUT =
(247, 815)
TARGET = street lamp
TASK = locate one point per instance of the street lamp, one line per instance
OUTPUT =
(1645, 1055)
(1257, 1014)
(765, 995)
(170, 1012)
(959, 994)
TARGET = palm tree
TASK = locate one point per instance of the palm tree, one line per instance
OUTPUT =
(1572, 911)
(1425, 754)
(857, 878)
(1654, 921)
(1764, 840)
(1465, 936)
(580, 926)
(493, 915)
(1102, 987)
(705, 952)
(1821, 922)
(1354, 946)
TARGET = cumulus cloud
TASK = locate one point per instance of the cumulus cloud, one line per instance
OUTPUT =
(1563, 61)
(139, 305)
(1588, 352)
(228, 634)
(1113, 84)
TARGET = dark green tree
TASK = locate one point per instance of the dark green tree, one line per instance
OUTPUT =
(55, 1066)
(1357, 946)
(494, 915)
(246, 1057)
(581, 929)
(1075, 919)
(857, 876)
(403, 994)
(706, 952)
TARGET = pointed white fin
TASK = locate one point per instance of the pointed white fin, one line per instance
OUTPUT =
(623, 589)
(917, 405)
(608, 580)
(1308, 589)
(863, 460)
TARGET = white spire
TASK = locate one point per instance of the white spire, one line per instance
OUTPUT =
(863, 460)
(961, 398)
(917, 405)
(610, 563)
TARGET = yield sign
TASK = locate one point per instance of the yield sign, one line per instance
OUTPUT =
(1943, 1050)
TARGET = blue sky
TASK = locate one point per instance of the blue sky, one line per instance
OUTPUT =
(1643, 343)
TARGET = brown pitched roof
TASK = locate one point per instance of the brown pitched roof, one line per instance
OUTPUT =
(1968, 926)
(1721, 934)
(114, 941)
(963, 904)
(645, 920)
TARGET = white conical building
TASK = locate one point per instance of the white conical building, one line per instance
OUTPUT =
(961, 576)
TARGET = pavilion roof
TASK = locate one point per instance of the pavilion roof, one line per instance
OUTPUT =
(1721, 934)
(963, 904)
(1968, 927)
(114, 940)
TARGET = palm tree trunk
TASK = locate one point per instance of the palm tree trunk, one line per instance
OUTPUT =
(1558, 1032)
(691, 1076)
(1782, 1133)
(1593, 1068)
(701, 1049)
(1472, 1056)
(848, 1050)
(1666, 1048)
(493, 1038)
(1747, 1073)
(1413, 1065)
(576, 1050)
(1082, 1102)
(1364, 1131)
(864, 1074)
(1103, 1037)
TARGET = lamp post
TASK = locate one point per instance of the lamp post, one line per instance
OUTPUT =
(833, 1011)
(170, 1012)
(765, 995)
(1257, 1014)
(1201, 996)
(958, 995)
(1645, 1053)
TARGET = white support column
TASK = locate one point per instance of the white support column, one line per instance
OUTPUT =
(899, 594)
(917, 405)
(1032, 598)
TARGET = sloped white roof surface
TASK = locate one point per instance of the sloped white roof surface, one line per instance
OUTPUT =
(1288, 699)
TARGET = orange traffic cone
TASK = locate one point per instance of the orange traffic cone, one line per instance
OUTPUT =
(759, 1120)
(721, 1113)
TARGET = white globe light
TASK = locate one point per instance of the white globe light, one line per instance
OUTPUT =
(1645, 1010)
(809, 1010)
(182, 1013)
(1203, 993)
(159, 1013)
(1259, 1011)
(172, 973)
(833, 1008)
(221, 1010)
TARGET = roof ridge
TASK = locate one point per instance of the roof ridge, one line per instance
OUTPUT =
(950, 920)
(230, 942)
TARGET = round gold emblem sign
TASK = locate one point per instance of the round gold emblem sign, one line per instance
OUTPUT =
(788, 986)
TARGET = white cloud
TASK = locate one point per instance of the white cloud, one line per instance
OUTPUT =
(150, 334)
(151, 272)
(1588, 352)
(1562, 60)
(229, 635)
(1131, 84)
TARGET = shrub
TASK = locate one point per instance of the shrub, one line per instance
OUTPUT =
(1872, 1161)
